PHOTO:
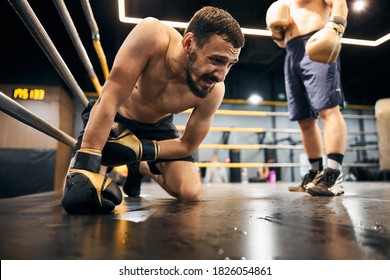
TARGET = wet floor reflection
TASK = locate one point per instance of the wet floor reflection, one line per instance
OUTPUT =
(254, 221)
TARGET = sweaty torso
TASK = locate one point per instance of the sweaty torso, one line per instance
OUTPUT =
(307, 15)
(160, 89)
(156, 95)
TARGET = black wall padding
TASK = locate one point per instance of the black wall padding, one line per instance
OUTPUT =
(235, 173)
(26, 171)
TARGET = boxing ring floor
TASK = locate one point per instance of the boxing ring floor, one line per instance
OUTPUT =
(234, 221)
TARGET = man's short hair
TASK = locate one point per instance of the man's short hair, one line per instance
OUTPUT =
(210, 21)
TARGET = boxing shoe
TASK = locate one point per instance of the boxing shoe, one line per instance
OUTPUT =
(311, 177)
(132, 185)
(329, 183)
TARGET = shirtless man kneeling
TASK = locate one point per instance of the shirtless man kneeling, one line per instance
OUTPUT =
(157, 72)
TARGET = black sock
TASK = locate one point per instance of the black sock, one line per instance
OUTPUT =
(335, 161)
(316, 164)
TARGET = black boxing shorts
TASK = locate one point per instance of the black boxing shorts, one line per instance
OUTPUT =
(161, 130)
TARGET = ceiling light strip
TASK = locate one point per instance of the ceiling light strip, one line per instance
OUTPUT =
(247, 31)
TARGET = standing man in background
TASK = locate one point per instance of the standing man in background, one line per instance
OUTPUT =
(216, 174)
(310, 31)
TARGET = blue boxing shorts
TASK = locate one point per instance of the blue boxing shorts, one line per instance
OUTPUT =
(161, 130)
(310, 86)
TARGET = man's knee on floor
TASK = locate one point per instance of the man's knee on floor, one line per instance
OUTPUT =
(190, 194)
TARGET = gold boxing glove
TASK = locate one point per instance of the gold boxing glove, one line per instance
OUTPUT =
(325, 45)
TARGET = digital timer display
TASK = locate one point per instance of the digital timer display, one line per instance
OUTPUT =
(32, 94)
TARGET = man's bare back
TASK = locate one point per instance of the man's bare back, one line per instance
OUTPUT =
(161, 88)
(149, 80)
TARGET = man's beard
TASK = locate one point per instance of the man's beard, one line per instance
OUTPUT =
(190, 82)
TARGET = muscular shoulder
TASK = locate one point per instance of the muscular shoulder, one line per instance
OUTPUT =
(151, 31)
(151, 34)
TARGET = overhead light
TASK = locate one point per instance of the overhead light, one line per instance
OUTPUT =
(359, 5)
(255, 99)
(248, 31)
(281, 95)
